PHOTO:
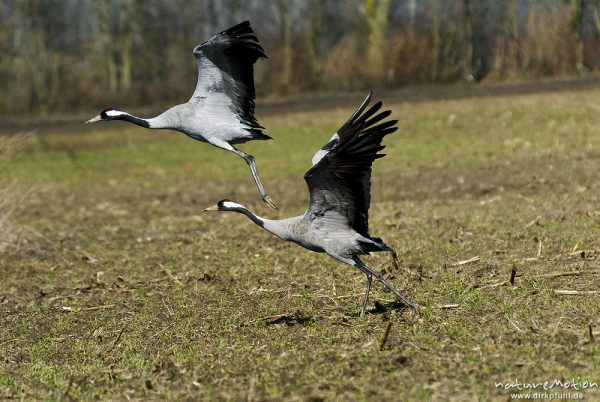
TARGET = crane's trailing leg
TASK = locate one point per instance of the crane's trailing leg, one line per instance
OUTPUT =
(263, 193)
(366, 296)
(251, 164)
(360, 265)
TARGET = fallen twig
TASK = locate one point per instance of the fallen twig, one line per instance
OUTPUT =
(549, 275)
(170, 275)
(168, 309)
(493, 285)
(448, 306)
(9, 340)
(271, 317)
(162, 330)
(576, 292)
(77, 309)
(584, 252)
(575, 246)
(385, 336)
(117, 339)
(476, 258)
(558, 274)
(515, 325)
(330, 297)
(533, 222)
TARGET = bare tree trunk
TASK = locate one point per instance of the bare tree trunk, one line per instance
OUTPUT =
(468, 40)
(586, 24)
(412, 14)
(286, 34)
(377, 13)
(435, 39)
(312, 41)
(509, 61)
(595, 15)
(127, 22)
(106, 38)
(234, 10)
(479, 44)
(577, 16)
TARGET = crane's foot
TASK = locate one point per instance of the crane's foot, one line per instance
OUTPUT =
(408, 303)
(267, 199)
(397, 305)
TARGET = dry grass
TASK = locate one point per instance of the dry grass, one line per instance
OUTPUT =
(124, 289)
(10, 194)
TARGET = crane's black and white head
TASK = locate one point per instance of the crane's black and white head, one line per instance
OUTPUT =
(107, 114)
(112, 114)
(226, 205)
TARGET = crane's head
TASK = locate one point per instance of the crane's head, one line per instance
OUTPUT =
(225, 205)
(106, 114)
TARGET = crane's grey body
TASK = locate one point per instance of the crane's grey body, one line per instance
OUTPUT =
(320, 235)
(336, 221)
(221, 109)
(202, 124)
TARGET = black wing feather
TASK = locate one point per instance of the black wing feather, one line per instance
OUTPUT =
(234, 52)
(341, 179)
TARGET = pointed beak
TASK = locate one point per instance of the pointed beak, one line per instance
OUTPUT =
(95, 119)
(213, 208)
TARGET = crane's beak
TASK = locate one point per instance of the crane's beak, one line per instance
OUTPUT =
(95, 119)
(213, 208)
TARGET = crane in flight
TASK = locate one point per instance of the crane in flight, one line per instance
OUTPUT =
(221, 110)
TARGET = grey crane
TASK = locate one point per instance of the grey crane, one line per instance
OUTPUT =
(339, 181)
(221, 110)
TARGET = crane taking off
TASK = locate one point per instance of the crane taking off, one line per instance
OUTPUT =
(221, 110)
(339, 181)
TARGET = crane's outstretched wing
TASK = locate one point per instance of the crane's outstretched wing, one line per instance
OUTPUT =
(340, 180)
(344, 130)
(226, 72)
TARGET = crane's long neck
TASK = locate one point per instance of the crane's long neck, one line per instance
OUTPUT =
(269, 225)
(253, 217)
(155, 122)
(118, 115)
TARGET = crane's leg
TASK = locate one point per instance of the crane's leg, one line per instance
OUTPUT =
(252, 165)
(263, 193)
(366, 297)
(360, 265)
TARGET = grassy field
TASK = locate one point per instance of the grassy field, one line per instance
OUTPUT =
(119, 287)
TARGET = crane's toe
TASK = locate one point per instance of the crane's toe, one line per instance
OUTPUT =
(411, 305)
(267, 199)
